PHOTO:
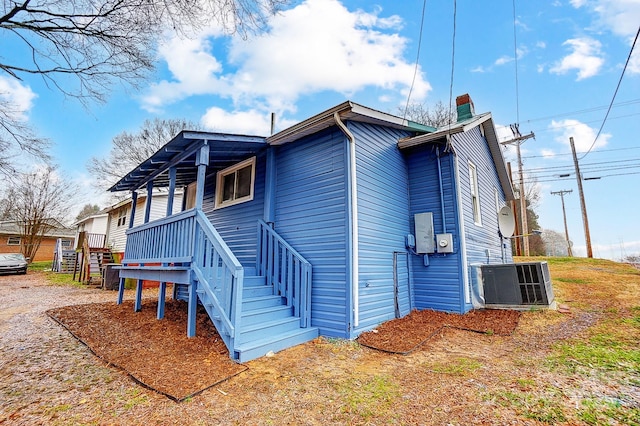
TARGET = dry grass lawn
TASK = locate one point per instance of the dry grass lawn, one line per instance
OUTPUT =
(581, 367)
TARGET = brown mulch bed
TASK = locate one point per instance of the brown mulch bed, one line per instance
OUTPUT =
(404, 335)
(156, 353)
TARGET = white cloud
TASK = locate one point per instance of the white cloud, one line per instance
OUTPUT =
(585, 57)
(583, 135)
(250, 122)
(503, 60)
(548, 153)
(317, 46)
(619, 16)
(15, 98)
(634, 62)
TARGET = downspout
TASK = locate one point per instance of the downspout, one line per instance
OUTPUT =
(354, 218)
(466, 289)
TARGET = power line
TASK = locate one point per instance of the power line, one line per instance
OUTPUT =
(415, 69)
(453, 57)
(515, 56)
(597, 150)
(583, 111)
(538, 169)
(614, 94)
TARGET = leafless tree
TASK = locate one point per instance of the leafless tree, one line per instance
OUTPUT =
(555, 243)
(81, 47)
(38, 202)
(87, 210)
(128, 150)
(437, 115)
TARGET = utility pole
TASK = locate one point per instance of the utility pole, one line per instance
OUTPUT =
(514, 209)
(585, 220)
(518, 140)
(564, 216)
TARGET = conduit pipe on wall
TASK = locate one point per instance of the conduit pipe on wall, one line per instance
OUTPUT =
(444, 219)
(354, 218)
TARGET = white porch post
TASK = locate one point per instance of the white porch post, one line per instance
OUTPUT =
(202, 161)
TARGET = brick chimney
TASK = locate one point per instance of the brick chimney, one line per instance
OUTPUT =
(464, 107)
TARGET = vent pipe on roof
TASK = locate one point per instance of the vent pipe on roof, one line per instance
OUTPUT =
(273, 123)
(464, 107)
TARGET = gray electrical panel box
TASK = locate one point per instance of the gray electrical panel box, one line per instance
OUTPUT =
(424, 233)
(444, 243)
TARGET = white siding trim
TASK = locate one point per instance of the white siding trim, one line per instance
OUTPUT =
(463, 238)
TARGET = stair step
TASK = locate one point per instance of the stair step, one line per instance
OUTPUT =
(258, 348)
(250, 270)
(252, 280)
(264, 315)
(256, 291)
(258, 302)
(263, 330)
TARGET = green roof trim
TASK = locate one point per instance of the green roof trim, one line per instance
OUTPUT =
(421, 127)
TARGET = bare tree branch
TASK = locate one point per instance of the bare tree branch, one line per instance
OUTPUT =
(437, 115)
(82, 47)
(130, 149)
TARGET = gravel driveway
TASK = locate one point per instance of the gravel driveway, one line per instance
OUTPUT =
(46, 375)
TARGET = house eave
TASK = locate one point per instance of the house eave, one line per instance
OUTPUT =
(347, 110)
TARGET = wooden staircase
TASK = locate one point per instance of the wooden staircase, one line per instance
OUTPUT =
(267, 324)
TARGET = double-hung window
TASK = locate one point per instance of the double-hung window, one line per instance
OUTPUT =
(13, 241)
(235, 184)
(122, 217)
(475, 195)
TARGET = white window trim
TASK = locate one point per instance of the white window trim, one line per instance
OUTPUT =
(122, 218)
(221, 174)
(10, 239)
(475, 194)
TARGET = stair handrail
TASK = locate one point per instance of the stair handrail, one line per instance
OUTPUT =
(220, 275)
(286, 269)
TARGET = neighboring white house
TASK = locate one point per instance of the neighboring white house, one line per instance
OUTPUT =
(95, 224)
(113, 221)
(120, 214)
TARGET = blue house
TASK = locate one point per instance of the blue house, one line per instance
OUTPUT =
(332, 226)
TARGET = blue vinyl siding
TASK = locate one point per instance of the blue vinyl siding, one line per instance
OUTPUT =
(472, 147)
(383, 220)
(439, 285)
(311, 214)
(237, 224)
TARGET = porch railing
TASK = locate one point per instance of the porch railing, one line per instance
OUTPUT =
(166, 240)
(287, 270)
(92, 240)
(220, 277)
(189, 238)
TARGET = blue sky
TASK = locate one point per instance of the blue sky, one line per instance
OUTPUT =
(316, 54)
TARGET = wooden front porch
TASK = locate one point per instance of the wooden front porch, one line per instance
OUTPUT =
(256, 309)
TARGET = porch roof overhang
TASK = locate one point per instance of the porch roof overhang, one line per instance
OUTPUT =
(486, 121)
(180, 153)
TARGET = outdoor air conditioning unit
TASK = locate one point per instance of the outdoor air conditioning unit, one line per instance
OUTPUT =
(517, 284)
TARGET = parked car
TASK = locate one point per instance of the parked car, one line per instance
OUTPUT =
(13, 263)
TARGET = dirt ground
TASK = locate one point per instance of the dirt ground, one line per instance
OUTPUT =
(457, 377)
(158, 354)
